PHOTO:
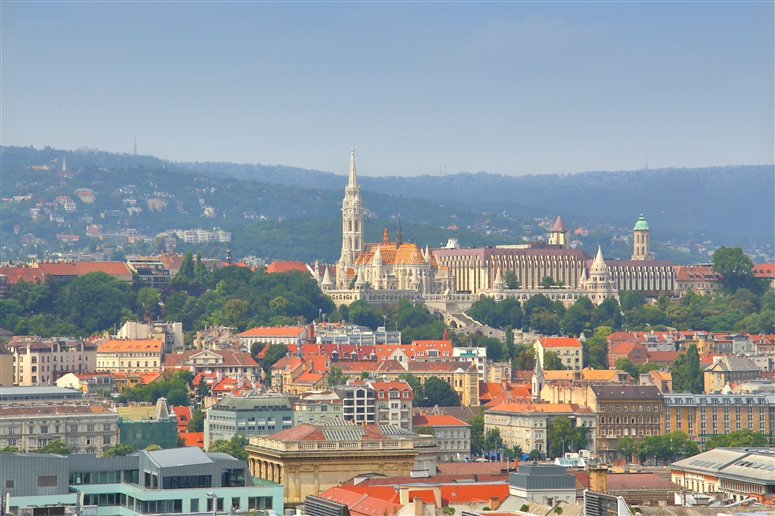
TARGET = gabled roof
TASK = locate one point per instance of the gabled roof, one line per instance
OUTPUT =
(129, 345)
(734, 363)
(558, 226)
(273, 331)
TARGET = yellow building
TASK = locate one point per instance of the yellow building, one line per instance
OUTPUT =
(705, 415)
(568, 349)
(128, 355)
(310, 458)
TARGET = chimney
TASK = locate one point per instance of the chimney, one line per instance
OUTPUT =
(494, 502)
(419, 507)
(598, 479)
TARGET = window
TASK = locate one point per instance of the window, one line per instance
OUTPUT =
(235, 503)
(106, 428)
(48, 481)
(194, 505)
(9, 484)
(74, 428)
(105, 439)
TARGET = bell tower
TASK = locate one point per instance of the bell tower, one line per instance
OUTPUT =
(352, 222)
(641, 248)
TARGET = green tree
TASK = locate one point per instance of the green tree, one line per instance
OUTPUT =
(118, 450)
(552, 362)
(686, 371)
(563, 436)
(94, 301)
(631, 300)
(153, 447)
(609, 313)
(418, 391)
(440, 393)
(56, 446)
(148, 306)
(736, 439)
(477, 433)
(274, 353)
(547, 282)
(335, 376)
(185, 275)
(492, 440)
(534, 455)
(362, 314)
(511, 280)
(595, 348)
(578, 317)
(526, 358)
(628, 366)
(626, 448)
(544, 321)
(197, 421)
(735, 267)
(234, 446)
(10, 449)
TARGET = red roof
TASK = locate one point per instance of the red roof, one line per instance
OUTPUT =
(273, 331)
(15, 274)
(193, 438)
(663, 357)
(560, 342)
(184, 416)
(286, 267)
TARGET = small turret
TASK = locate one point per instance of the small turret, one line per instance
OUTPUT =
(326, 284)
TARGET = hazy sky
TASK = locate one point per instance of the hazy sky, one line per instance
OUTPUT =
(511, 88)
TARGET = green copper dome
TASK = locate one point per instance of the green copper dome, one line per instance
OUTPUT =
(641, 224)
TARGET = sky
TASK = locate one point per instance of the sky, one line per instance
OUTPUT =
(418, 87)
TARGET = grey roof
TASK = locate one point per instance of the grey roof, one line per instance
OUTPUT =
(220, 456)
(179, 457)
(611, 392)
(733, 363)
(542, 476)
(710, 461)
(252, 402)
(755, 465)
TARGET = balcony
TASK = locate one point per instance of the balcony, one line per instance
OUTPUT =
(328, 446)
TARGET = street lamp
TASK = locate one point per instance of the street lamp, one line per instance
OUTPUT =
(214, 498)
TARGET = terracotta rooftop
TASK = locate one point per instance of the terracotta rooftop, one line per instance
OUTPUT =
(437, 420)
(560, 342)
(286, 267)
(127, 345)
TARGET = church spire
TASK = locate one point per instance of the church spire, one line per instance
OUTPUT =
(538, 380)
(353, 178)
(399, 232)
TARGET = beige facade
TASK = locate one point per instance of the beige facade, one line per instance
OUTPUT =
(729, 369)
(130, 356)
(634, 411)
(526, 424)
(568, 349)
(6, 366)
(82, 428)
(309, 459)
(704, 415)
(41, 361)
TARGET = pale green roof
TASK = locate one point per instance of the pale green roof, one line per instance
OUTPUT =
(641, 224)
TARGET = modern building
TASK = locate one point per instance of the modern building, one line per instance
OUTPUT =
(151, 272)
(38, 361)
(183, 480)
(130, 355)
(543, 483)
(383, 402)
(327, 333)
(453, 436)
(477, 355)
(704, 415)
(310, 458)
(736, 474)
(249, 415)
(82, 428)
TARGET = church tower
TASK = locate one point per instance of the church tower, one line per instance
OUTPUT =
(352, 224)
(641, 248)
(538, 379)
(558, 234)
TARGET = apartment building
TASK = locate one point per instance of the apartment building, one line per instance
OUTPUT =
(82, 428)
(38, 361)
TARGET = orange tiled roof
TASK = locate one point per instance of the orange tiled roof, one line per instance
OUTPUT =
(286, 267)
(127, 345)
(538, 407)
(560, 342)
(193, 438)
(30, 274)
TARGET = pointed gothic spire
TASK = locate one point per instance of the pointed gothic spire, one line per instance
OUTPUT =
(377, 258)
(326, 278)
(353, 179)
(385, 236)
(399, 233)
(599, 264)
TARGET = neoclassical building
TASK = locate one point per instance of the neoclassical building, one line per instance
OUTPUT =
(452, 278)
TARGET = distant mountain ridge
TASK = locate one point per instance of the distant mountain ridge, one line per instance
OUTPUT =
(736, 203)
